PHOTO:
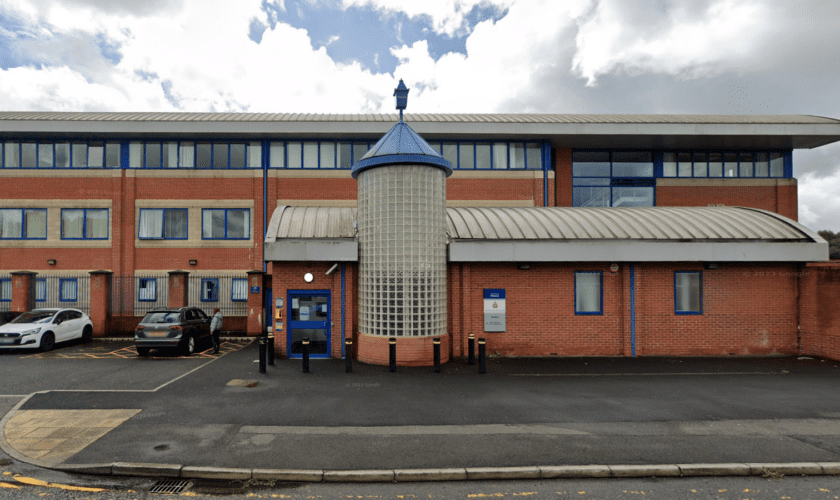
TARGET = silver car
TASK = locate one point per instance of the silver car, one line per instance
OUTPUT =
(42, 328)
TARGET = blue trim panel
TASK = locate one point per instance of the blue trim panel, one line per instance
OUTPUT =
(381, 161)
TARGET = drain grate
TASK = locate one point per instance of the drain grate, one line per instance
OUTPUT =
(169, 486)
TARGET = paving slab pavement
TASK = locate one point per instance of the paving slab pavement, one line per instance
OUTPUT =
(525, 418)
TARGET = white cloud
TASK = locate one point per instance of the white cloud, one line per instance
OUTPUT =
(684, 39)
(819, 205)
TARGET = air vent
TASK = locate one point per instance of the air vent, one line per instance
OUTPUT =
(169, 486)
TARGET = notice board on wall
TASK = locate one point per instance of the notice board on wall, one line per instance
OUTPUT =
(494, 310)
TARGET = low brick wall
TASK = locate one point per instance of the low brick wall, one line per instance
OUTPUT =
(819, 301)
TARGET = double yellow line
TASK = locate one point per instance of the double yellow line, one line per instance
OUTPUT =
(37, 482)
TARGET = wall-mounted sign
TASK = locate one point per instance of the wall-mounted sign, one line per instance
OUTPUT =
(494, 310)
(255, 289)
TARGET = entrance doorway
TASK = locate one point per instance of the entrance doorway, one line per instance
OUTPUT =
(309, 317)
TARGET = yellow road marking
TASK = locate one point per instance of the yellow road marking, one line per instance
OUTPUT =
(9, 485)
(37, 482)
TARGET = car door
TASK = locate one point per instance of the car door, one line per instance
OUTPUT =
(202, 323)
(75, 324)
(62, 326)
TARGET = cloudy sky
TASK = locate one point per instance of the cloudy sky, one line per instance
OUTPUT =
(345, 56)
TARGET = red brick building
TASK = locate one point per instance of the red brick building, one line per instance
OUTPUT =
(159, 201)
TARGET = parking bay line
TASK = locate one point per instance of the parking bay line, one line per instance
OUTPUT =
(671, 374)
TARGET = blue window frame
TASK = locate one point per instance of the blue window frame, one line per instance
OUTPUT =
(163, 224)
(723, 163)
(84, 223)
(147, 289)
(688, 292)
(210, 289)
(40, 290)
(239, 289)
(61, 153)
(5, 290)
(589, 293)
(195, 154)
(226, 224)
(23, 223)
(613, 179)
(68, 289)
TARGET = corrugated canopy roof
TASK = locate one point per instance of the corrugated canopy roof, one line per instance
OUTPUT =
(565, 223)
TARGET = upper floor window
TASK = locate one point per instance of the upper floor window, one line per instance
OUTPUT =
(612, 179)
(84, 223)
(163, 223)
(500, 155)
(23, 223)
(723, 164)
(195, 154)
(226, 224)
(60, 154)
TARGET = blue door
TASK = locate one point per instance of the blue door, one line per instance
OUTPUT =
(309, 318)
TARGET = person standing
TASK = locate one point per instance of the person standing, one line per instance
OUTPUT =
(215, 327)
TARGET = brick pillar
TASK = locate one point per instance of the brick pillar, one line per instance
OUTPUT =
(255, 322)
(563, 177)
(23, 290)
(179, 288)
(100, 292)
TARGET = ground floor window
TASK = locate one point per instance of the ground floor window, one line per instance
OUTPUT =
(588, 292)
(68, 289)
(5, 290)
(239, 289)
(147, 289)
(210, 290)
(688, 296)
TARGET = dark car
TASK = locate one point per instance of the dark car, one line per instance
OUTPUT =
(178, 328)
(6, 316)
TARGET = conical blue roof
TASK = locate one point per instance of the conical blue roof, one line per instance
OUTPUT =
(401, 145)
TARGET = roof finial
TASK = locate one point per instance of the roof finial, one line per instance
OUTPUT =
(402, 97)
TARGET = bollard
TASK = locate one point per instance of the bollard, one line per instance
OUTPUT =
(482, 357)
(436, 343)
(392, 354)
(348, 355)
(270, 348)
(471, 349)
(262, 354)
(305, 347)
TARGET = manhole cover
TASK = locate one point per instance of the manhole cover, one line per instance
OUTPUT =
(238, 382)
(169, 486)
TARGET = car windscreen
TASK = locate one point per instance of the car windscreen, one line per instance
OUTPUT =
(162, 317)
(34, 317)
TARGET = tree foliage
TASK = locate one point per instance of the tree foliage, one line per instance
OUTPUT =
(833, 240)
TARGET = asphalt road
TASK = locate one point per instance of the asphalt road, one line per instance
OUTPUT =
(522, 412)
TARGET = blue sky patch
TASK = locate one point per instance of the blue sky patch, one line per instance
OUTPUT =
(110, 50)
(366, 35)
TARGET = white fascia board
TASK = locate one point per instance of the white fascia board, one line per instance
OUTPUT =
(301, 250)
(635, 251)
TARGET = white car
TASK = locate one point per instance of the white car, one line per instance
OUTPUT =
(42, 328)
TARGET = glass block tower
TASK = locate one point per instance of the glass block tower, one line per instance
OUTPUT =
(402, 234)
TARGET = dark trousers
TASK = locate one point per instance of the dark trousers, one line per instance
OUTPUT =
(215, 335)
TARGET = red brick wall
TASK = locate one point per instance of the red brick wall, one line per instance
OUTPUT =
(563, 177)
(819, 311)
(497, 188)
(776, 198)
(410, 351)
(747, 310)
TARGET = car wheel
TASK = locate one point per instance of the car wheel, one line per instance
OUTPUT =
(143, 351)
(87, 334)
(47, 342)
(188, 347)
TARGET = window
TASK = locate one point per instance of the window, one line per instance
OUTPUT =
(239, 289)
(703, 164)
(613, 179)
(84, 223)
(23, 223)
(226, 224)
(588, 292)
(5, 290)
(163, 223)
(147, 289)
(40, 290)
(688, 296)
(209, 289)
(68, 289)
